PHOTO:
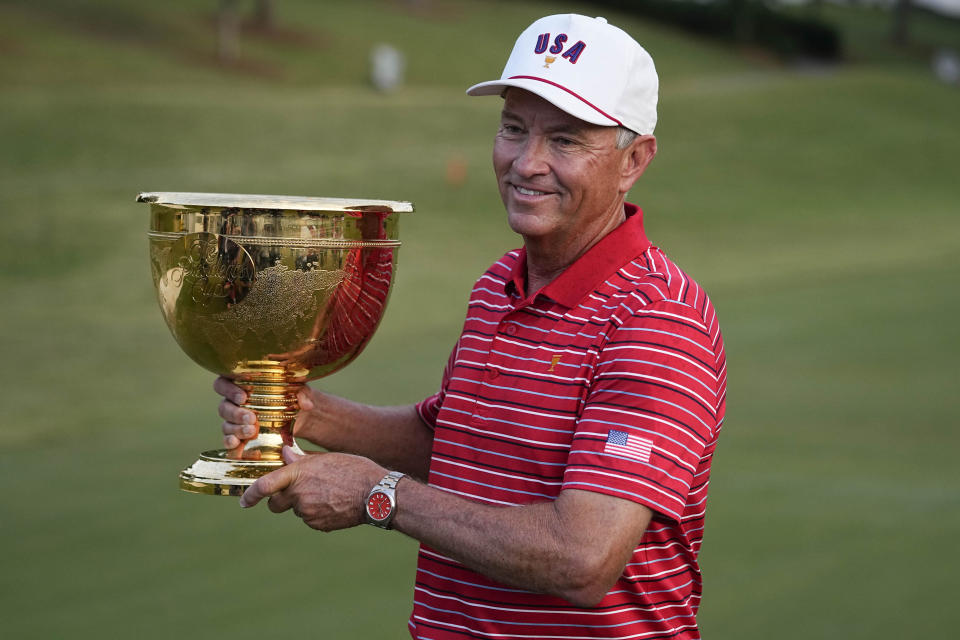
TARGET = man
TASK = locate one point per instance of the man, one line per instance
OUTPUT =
(568, 450)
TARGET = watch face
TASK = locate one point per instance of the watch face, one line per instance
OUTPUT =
(378, 506)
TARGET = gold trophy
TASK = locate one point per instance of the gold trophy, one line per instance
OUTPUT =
(272, 292)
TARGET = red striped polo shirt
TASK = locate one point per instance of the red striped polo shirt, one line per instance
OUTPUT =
(610, 379)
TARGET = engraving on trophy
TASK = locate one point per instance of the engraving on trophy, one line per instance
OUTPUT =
(278, 310)
(215, 272)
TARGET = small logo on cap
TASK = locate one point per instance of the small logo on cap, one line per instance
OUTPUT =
(549, 60)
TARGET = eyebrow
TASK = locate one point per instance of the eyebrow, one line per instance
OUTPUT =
(570, 128)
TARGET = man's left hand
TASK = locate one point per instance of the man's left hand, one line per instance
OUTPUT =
(326, 490)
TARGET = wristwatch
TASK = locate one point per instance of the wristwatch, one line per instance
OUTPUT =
(381, 503)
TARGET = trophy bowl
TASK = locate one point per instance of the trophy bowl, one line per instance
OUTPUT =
(271, 292)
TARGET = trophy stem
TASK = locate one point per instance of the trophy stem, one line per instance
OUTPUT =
(274, 401)
(275, 404)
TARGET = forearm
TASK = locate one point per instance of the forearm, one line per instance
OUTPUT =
(394, 437)
(574, 547)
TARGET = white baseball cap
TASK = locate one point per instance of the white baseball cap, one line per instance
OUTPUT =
(586, 67)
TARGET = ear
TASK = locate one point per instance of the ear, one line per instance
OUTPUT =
(635, 160)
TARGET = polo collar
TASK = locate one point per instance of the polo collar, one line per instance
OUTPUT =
(614, 250)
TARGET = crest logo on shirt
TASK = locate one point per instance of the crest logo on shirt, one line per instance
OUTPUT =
(554, 361)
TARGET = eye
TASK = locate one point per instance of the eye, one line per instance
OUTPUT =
(564, 142)
(510, 129)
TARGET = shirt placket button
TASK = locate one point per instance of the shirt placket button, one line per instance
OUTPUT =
(478, 416)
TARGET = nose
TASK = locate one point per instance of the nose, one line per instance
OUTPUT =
(531, 158)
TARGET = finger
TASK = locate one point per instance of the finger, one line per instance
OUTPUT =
(235, 434)
(282, 501)
(234, 414)
(289, 455)
(300, 425)
(229, 390)
(231, 442)
(305, 399)
(267, 485)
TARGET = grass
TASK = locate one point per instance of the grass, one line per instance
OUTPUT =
(819, 210)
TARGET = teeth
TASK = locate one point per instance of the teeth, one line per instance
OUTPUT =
(530, 192)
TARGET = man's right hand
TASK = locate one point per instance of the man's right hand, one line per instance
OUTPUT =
(239, 424)
(394, 437)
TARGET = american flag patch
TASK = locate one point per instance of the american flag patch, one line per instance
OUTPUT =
(620, 443)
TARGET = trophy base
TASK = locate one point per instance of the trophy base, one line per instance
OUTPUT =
(215, 474)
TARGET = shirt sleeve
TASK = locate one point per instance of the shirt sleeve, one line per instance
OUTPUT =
(651, 410)
(429, 408)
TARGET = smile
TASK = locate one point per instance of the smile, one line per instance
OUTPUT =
(529, 192)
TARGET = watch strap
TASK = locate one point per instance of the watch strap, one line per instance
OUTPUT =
(387, 486)
(390, 480)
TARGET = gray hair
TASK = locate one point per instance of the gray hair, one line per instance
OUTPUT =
(625, 137)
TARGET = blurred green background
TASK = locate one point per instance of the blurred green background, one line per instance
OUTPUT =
(817, 205)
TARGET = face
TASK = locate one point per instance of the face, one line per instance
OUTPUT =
(560, 178)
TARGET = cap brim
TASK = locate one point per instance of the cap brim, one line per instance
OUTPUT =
(555, 94)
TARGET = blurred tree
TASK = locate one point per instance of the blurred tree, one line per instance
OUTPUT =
(228, 31)
(229, 25)
(901, 20)
(265, 14)
(744, 16)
